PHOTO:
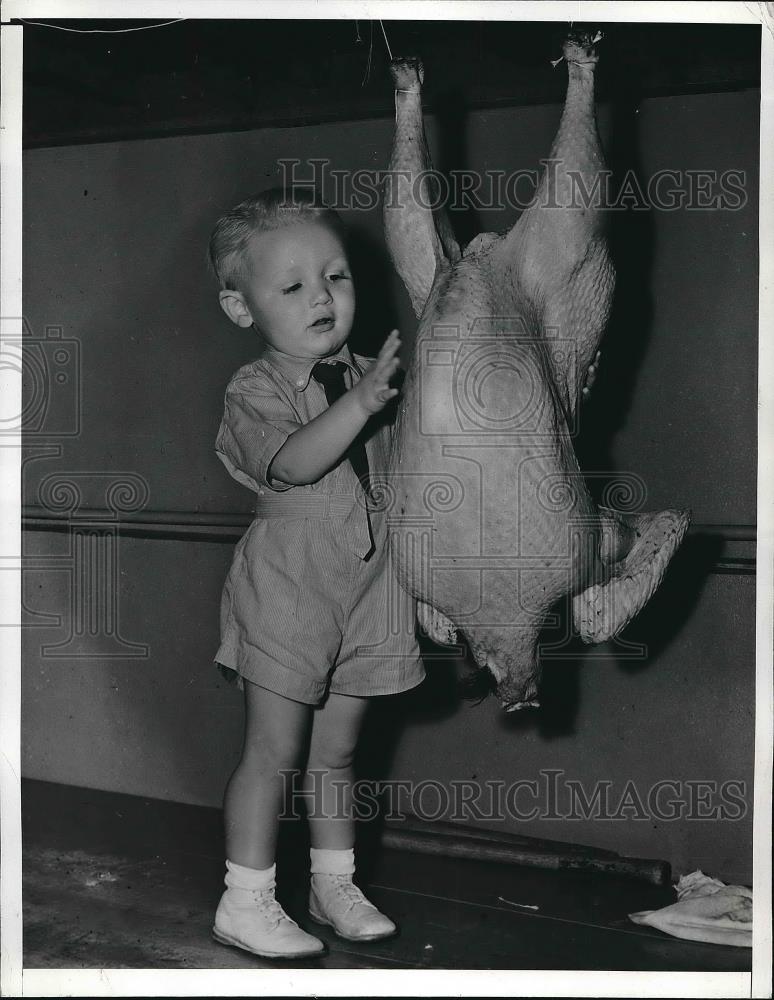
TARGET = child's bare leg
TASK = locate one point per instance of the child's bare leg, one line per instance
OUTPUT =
(334, 899)
(275, 730)
(328, 782)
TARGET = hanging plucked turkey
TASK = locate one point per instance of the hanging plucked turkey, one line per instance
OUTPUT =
(492, 522)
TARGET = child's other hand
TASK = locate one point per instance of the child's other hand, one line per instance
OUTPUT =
(373, 390)
(591, 375)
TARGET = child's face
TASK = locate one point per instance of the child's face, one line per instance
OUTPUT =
(298, 292)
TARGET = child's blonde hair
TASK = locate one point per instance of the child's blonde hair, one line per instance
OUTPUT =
(263, 212)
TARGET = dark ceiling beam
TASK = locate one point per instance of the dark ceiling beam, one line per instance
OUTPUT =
(210, 76)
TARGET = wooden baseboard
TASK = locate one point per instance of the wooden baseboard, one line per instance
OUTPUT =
(75, 817)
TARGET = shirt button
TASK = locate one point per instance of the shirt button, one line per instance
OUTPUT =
(260, 493)
(263, 433)
(299, 382)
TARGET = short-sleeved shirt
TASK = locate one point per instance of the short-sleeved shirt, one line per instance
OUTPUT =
(310, 587)
(270, 398)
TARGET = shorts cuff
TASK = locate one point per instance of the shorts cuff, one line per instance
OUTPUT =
(267, 673)
(362, 688)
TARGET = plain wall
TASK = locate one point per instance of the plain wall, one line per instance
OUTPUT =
(114, 255)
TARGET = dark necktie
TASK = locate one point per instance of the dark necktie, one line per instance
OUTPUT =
(330, 375)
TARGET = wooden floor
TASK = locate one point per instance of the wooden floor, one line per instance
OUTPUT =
(113, 881)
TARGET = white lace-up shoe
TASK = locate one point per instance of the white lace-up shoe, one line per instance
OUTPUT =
(336, 901)
(253, 919)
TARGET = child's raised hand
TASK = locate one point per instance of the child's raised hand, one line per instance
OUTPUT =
(373, 390)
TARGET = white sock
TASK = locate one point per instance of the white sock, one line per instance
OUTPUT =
(330, 862)
(239, 877)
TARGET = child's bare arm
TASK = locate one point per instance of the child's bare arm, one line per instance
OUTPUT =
(316, 447)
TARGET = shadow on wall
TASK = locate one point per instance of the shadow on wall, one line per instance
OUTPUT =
(376, 313)
(657, 626)
(451, 113)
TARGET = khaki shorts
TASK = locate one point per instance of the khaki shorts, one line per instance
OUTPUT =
(302, 614)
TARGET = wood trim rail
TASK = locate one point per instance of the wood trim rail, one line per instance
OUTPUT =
(732, 546)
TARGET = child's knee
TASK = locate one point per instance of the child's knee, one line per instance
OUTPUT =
(334, 754)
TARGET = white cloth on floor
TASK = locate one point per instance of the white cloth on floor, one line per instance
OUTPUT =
(706, 910)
